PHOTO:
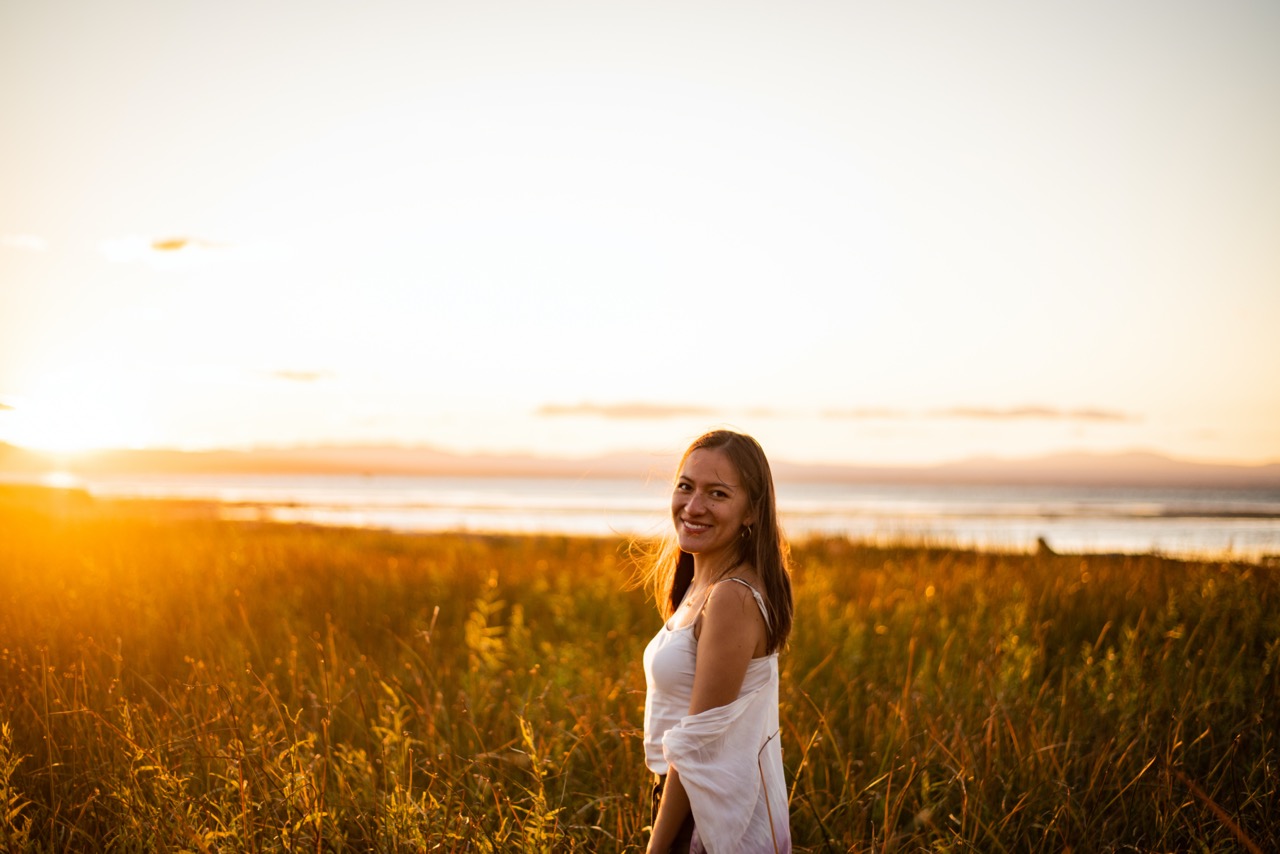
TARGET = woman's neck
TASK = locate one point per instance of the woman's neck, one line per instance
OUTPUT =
(709, 568)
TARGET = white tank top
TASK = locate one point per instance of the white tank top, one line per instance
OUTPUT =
(669, 662)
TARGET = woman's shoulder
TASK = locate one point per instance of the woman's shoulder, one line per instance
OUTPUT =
(738, 591)
(734, 615)
(744, 580)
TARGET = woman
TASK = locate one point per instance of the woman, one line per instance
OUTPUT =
(711, 708)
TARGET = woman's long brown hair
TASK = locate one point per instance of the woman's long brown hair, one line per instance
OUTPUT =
(668, 572)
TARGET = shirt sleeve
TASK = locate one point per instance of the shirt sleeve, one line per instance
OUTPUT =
(716, 753)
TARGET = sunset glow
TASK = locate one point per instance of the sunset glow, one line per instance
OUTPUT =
(862, 234)
(85, 412)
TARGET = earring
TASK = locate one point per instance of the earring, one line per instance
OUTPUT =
(746, 532)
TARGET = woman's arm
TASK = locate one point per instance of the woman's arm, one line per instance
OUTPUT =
(730, 633)
(672, 810)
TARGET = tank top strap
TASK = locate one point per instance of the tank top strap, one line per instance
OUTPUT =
(756, 593)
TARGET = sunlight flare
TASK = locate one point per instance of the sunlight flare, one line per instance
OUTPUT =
(86, 411)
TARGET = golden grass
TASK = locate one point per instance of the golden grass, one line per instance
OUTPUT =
(169, 681)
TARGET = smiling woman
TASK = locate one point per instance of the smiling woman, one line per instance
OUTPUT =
(711, 732)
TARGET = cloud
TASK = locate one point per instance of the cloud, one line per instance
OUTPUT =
(163, 252)
(177, 252)
(1044, 413)
(984, 413)
(867, 413)
(301, 376)
(4, 406)
(24, 242)
(178, 244)
(633, 411)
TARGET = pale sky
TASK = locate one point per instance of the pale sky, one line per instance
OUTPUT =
(875, 233)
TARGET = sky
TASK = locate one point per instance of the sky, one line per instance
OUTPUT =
(862, 232)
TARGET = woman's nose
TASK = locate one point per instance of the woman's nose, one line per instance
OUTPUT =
(695, 504)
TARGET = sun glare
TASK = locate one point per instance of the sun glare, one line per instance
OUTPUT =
(61, 480)
(85, 413)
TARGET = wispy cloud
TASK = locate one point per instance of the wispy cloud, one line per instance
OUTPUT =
(301, 376)
(633, 411)
(24, 242)
(180, 244)
(867, 414)
(1043, 413)
(164, 253)
(984, 413)
(177, 252)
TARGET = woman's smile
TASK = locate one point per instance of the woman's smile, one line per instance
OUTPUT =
(709, 507)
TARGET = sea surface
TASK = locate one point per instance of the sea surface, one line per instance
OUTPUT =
(1241, 523)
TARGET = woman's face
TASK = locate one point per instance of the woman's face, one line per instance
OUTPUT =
(709, 506)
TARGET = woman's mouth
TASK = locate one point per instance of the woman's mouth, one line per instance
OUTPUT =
(694, 527)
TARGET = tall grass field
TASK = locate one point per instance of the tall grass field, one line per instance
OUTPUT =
(170, 681)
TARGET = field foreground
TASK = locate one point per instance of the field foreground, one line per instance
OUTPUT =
(173, 682)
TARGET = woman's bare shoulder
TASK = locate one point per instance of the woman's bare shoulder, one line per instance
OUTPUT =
(734, 595)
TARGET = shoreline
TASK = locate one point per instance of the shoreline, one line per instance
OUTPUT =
(80, 501)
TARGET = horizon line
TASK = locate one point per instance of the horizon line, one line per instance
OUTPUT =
(86, 454)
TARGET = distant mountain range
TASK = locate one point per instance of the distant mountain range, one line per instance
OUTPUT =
(1084, 469)
(1128, 469)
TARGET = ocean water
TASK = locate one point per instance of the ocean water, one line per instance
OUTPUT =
(1242, 523)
